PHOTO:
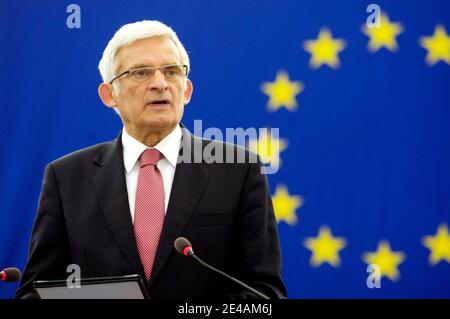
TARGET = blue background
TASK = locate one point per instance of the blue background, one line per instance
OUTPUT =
(368, 144)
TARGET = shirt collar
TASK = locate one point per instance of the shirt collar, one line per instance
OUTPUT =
(168, 146)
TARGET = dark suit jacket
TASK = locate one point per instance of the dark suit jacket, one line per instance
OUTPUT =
(224, 209)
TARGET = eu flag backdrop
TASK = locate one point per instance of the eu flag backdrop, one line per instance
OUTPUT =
(361, 101)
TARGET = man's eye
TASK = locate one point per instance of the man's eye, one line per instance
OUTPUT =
(140, 73)
(172, 71)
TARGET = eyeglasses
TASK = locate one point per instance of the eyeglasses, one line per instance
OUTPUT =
(171, 72)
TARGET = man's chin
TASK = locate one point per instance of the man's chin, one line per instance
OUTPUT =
(161, 124)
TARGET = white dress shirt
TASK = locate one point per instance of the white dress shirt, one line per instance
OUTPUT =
(132, 150)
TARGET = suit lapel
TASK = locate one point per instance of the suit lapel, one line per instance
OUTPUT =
(187, 188)
(110, 187)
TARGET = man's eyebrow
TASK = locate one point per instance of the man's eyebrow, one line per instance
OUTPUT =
(143, 65)
(139, 65)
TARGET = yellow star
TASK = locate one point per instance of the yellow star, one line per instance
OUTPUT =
(285, 205)
(268, 148)
(386, 259)
(438, 46)
(439, 245)
(384, 36)
(324, 50)
(325, 248)
(282, 92)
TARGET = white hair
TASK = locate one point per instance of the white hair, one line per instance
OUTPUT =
(130, 33)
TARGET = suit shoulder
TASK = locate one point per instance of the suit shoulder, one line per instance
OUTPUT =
(88, 153)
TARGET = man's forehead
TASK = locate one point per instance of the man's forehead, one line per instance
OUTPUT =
(148, 52)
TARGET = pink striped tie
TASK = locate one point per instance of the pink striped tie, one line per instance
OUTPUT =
(149, 210)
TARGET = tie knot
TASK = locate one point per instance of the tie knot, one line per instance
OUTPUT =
(150, 157)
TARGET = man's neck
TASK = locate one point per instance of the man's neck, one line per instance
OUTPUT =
(149, 138)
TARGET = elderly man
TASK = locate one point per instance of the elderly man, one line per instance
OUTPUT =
(116, 208)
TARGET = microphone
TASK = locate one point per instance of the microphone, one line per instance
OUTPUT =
(184, 247)
(10, 274)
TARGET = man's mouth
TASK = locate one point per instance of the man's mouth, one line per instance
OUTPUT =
(159, 103)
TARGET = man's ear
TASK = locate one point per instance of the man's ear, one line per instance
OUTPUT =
(188, 91)
(105, 91)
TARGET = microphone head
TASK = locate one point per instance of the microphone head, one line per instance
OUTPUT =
(183, 246)
(10, 274)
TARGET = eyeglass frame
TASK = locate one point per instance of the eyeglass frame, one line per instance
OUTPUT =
(152, 68)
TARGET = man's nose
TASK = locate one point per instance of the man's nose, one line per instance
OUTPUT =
(158, 81)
